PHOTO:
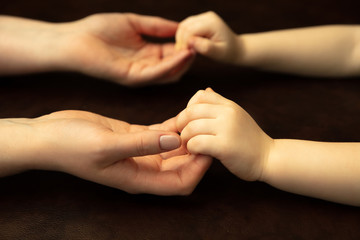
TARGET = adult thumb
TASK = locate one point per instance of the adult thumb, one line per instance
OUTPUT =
(148, 142)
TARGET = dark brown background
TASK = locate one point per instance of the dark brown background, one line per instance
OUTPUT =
(48, 205)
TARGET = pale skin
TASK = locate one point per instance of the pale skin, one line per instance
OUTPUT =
(93, 147)
(216, 126)
(331, 51)
(102, 150)
(108, 46)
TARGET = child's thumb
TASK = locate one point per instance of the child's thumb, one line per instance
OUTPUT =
(207, 47)
(202, 45)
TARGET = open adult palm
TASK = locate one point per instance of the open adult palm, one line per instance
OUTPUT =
(117, 154)
(112, 46)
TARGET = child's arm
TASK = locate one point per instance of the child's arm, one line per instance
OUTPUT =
(213, 125)
(318, 51)
(329, 171)
(332, 50)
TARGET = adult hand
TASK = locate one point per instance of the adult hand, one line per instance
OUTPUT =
(108, 46)
(111, 46)
(102, 150)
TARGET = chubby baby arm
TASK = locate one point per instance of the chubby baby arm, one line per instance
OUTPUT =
(213, 125)
(325, 170)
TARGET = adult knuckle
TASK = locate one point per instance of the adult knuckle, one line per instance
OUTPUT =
(141, 147)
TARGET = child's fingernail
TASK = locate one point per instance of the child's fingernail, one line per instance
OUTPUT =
(169, 142)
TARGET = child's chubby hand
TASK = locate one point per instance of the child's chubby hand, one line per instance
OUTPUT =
(208, 35)
(213, 125)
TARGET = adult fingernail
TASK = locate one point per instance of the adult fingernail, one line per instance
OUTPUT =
(169, 142)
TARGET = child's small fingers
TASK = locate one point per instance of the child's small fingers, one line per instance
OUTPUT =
(202, 45)
(198, 127)
(207, 47)
(193, 27)
(183, 33)
(203, 144)
(207, 97)
(197, 111)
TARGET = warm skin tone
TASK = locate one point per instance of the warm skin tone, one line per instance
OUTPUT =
(103, 150)
(107, 46)
(332, 50)
(87, 145)
(220, 128)
(215, 126)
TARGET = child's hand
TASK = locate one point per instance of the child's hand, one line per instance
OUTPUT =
(208, 35)
(213, 125)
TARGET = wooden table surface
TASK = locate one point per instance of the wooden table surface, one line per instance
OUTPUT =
(50, 205)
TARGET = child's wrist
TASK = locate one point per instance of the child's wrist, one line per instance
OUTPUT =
(240, 51)
(249, 53)
(270, 159)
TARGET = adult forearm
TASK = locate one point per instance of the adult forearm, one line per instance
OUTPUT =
(317, 51)
(17, 146)
(329, 171)
(28, 46)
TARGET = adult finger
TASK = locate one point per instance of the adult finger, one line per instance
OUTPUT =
(142, 74)
(147, 143)
(167, 125)
(179, 180)
(176, 73)
(153, 26)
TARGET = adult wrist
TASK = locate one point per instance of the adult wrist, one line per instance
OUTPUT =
(16, 146)
(22, 146)
(57, 44)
